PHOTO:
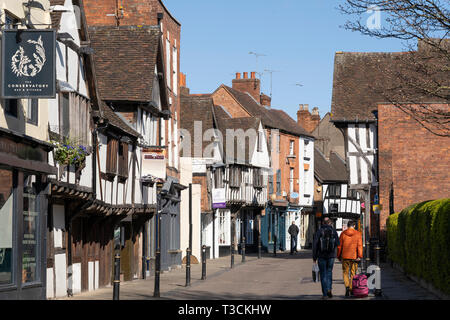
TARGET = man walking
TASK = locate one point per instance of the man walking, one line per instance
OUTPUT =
(293, 231)
(325, 243)
(350, 251)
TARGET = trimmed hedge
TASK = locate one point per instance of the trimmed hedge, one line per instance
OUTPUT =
(419, 241)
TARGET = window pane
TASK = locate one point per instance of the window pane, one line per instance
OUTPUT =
(6, 225)
(30, 229)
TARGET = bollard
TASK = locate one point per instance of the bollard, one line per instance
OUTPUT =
(232, 255)
(156, 293)
(116, 285)
(203, 262)
(275, 246)
(367, 255)
(259, 246)
(377, 254)
(243, 249)
(188, 267)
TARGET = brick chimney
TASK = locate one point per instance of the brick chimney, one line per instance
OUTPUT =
(307, 120)
(183, 88)
(315, 119)
(266, 100)
(252, 85)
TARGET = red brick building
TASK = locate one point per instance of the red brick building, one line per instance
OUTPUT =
(291, 186)
(414, 163)
(389, 154)
(149, 13)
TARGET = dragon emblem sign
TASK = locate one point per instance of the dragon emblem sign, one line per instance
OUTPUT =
(28, 64)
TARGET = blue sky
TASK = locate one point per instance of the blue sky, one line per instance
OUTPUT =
(298, 37)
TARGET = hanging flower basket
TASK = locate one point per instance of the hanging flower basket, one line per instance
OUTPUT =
(67, 154)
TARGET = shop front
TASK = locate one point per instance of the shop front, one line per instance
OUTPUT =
(23, 216)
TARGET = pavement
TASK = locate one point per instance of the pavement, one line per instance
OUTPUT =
(281, 277)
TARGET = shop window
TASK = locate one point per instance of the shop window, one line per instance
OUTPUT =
(249, 226)
(30, 240)
(224, 228)
(6, 226)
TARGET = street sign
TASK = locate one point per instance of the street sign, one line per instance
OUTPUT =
(28, 64)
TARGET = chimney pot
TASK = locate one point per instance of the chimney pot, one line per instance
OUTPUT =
(253, 75)
(238, 75)
(245, 75)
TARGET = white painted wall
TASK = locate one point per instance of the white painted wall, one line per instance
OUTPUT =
(306, 178)
(262, 158)
(186, 179)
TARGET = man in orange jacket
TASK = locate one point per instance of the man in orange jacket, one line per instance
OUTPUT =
(350, 251)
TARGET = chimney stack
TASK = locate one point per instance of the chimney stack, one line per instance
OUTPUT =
(184, 90)
(307, 120)
(266, 101)
(252, 85)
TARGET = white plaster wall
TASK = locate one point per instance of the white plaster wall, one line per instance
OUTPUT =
(50, 289)
(186, 179)
(261, 159)
(61, 275)
(76, 278)
(91, 275)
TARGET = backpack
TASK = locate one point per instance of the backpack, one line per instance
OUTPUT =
(327, 241)
(359, 286)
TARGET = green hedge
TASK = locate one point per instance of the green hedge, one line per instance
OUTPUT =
(419, 241)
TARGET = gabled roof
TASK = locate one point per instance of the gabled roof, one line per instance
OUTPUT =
(333, 170)
(363, 80)
(192, 109)
(226, 123)
(125, 59)
(273, 118)
(355, 73)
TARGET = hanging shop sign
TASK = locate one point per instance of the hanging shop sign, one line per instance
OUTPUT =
(28, 64)
(219, 198)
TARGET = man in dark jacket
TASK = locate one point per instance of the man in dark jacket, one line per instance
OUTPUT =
(293, 231)
(325, 242)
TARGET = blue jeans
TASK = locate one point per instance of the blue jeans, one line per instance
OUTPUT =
(293, 244)
(326, 274)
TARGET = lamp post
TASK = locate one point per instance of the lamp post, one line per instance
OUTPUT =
(273, 197)
(156, 292)
(189, 250)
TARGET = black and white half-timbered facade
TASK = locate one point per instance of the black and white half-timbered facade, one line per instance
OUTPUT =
(242, 179)
(336, 199)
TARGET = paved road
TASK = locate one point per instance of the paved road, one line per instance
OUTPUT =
(283, 277)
